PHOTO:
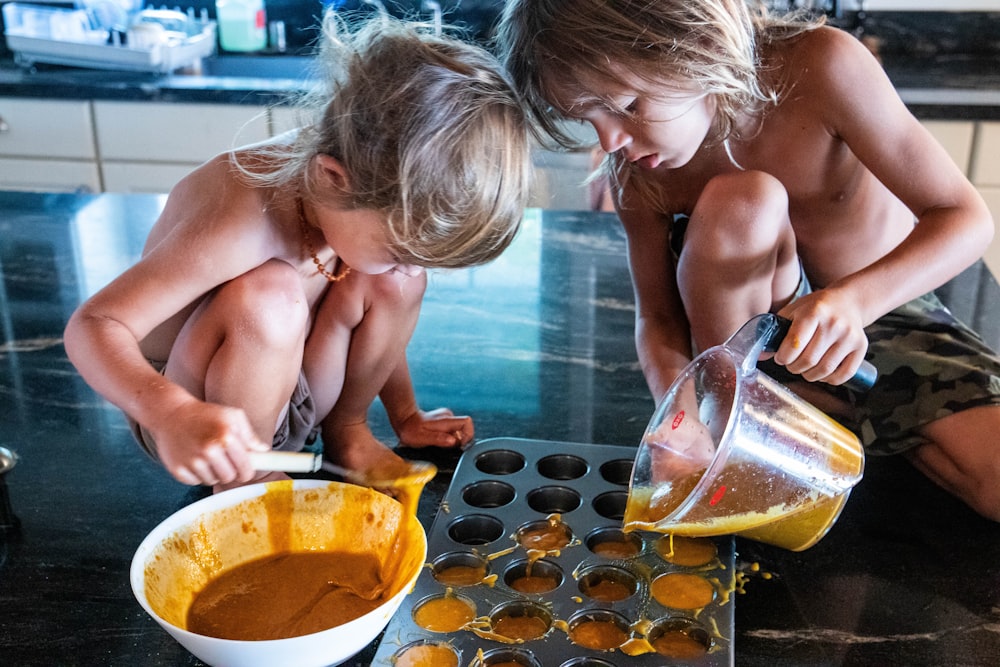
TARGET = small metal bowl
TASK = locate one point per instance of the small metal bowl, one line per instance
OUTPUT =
(7, 460)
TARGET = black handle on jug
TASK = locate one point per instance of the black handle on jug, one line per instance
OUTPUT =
(863, 379)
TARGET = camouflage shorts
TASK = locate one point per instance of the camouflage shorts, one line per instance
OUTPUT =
(930, 366)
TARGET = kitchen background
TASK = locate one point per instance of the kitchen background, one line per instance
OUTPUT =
(969, 20)
(80, 130)
(539, 345)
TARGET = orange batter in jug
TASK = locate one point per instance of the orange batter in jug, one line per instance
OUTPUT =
(732, 451)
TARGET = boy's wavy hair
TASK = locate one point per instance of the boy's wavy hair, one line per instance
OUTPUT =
(710, 45)
(430, 132)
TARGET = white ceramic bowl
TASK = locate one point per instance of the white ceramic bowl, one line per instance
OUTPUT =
(200, 541)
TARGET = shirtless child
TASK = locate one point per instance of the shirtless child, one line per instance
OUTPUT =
(765, 164)
(281, 284)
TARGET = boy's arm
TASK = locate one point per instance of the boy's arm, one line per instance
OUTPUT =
(954, 226)
(861, 106)
(416, 428)
(662, 333)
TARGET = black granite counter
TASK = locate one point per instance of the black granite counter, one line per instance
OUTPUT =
(947, 87)
(539, 345)
(943, 63)
(943, 86)
(261, 80)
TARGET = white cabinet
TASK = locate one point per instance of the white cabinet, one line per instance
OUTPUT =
(975, 147)
(985, 174)
(986, 161)
(142, 177)
(47, 145)
(149, 146)
(956, 137)
(284, 119)
(83, 145)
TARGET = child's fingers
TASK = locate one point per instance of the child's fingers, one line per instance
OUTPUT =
(438, 413)
(202, 471)
(461, 429)
(793, 351)
(447, 433)
(185, 476)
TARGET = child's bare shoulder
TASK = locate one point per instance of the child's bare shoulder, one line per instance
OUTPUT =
(214, 210)
(825, 72)
(822, 53)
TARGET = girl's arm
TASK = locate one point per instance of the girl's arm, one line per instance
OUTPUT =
(954, 226)
(197, 244)
(416, 428)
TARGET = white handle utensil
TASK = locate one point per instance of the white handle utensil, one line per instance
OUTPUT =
(419, 471)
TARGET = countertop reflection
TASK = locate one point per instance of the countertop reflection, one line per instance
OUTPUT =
(536, 345)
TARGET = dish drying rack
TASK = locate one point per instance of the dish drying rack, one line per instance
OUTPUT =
(38, 34)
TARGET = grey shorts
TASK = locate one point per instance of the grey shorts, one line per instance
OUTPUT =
(930, 365)
(295, 431)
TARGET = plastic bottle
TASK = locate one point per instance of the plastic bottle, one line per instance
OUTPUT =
(242, 24)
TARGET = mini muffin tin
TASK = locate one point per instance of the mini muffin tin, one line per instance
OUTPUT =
(502, 490)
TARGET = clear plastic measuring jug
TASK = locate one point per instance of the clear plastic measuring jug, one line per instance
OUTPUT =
(730, 450)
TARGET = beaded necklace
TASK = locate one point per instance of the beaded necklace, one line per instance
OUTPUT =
(307, 247)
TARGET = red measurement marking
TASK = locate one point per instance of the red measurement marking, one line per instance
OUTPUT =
(677, 420)
(718, 495)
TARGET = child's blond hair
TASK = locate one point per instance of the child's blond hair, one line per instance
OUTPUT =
(430, 132)
(552, 47)
(708, 45)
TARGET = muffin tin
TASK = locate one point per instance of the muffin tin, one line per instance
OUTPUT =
(510, 507)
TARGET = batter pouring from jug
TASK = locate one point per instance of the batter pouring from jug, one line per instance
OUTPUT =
(764, 163)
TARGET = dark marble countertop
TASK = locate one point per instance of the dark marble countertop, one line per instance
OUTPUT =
(261, 80)
(934, 87)
(539, 345)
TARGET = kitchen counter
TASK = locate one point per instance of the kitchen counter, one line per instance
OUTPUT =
(257, 80)
(942, 87)
(539, 345)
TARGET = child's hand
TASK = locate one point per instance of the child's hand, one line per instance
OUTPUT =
(438, 428)
(826, 341)
(206, 443)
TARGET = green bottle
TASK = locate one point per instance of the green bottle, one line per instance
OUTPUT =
(242, 25)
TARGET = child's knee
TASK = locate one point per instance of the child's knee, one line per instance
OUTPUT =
(267, 302)
(960, 458)
(398, 289)
(983, 495)
(750, 200)
(740, 217)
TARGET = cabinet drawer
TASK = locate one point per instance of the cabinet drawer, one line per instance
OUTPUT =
(46, 128)
(284, 119)
(956, 138)
(143, 176)
(49, 175)
(992, 256)
(169, 132)
(986, 161)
